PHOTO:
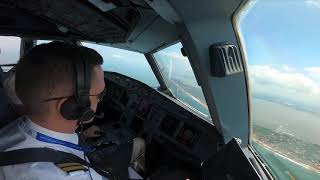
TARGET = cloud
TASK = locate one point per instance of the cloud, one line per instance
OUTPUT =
(313, 3)
(117, 56)
(287, 68)
(290, 80)
(179, 63)
(289, 87)
(313, 69)
(174, 55)
(313, 72)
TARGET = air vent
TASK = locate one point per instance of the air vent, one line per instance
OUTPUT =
(225, 60)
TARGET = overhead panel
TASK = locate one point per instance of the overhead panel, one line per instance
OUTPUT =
(83, 18)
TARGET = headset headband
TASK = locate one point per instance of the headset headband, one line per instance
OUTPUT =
(83, 80)
(78, 106)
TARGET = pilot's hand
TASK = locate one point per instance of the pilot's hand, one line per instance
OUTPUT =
(93, 131)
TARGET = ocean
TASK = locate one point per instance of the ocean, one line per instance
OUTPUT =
(302, 125)
(283, 168)
(291, 122)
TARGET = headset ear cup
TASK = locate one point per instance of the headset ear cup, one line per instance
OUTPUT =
(70, 109)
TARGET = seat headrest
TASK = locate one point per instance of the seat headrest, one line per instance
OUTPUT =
(1, 77)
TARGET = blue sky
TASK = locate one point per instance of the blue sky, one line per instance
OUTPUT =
(129, 63)
(288, 30)
(282, 44)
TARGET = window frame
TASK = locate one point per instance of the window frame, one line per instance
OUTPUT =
(206, 118)
(155, 68)
(235, 21)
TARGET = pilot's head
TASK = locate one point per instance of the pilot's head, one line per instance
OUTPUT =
(46, 79)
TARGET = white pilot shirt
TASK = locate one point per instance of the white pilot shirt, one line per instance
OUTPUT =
(45, 170)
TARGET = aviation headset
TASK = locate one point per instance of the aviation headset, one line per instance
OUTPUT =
(78, 106)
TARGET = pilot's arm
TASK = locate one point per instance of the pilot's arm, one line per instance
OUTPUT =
(138, 151)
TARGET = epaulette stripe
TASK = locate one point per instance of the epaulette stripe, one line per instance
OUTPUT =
(70, 167)
(74, 168)
(62, 165)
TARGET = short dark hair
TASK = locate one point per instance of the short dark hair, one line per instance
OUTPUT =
(47, 71)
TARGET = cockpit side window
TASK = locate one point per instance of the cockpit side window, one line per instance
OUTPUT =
(180, 79)
(281, 42)
(43, 42)
(9, 51)
(131, 64)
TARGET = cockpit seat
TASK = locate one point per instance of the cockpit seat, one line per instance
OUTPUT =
(4, 101)
(7, 112)
(2, 76)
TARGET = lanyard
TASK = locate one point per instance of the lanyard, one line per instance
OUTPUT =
(44, 138)
(51, 140)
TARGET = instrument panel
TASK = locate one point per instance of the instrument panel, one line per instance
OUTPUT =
(159, 117)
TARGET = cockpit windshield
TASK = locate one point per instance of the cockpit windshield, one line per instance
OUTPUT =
(179, 77)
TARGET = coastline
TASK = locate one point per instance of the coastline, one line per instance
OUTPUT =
(278, 153)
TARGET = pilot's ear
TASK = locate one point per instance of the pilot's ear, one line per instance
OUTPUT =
(59, 103)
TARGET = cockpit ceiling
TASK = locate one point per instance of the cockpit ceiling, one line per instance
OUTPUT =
(128, 24)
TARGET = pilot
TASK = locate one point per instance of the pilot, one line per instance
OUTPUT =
(137, 158)
(44, 81)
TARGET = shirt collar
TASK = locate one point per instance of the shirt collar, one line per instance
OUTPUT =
(73, 138)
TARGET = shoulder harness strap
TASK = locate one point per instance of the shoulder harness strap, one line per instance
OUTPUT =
(29, 155)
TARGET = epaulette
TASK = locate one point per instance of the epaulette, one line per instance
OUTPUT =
(71, 167)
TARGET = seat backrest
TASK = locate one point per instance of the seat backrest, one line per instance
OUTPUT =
(7, 112)
(1, 77)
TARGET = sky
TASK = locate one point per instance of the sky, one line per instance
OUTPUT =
(9, 49)
(129, 63)
(286, 29)
(282, 40)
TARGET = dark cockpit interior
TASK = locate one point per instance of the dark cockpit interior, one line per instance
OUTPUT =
(174, 135)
